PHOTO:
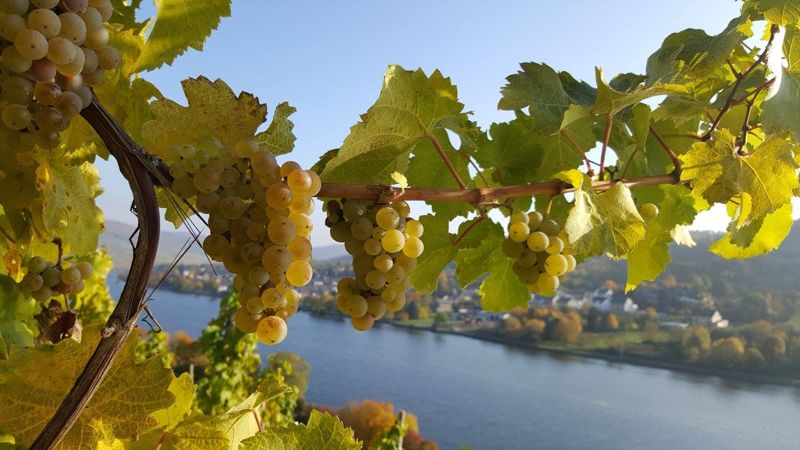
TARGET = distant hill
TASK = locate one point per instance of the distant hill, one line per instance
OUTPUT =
(115, 240)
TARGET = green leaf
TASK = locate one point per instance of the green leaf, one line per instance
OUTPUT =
(718, 173)
(35, 380)
(439, 251)
(183, 388)
(70, 211)
(278, 138)
(763, 235)
(409, 108)
(180, 25)
(791, 49)
(472, 262)
(650, 257)
(607, 222)
(196, 436)
(502, 290)
(16, 317)
(780, 12)
(323, 431)
(693, 54)
(610, 101)
(782, 111)
(545, 92)
(213, 111)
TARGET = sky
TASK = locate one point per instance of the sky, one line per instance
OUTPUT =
(328, 58)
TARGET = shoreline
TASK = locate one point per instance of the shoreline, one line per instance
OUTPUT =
(636, 361)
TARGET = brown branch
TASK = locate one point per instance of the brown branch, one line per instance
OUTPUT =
(120, 324)
(578, 150)
(676, 163)
(469, 228)
(729, 101)
(446, 161)
(606, 137)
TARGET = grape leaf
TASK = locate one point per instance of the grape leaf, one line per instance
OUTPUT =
(502, 290)
(70, 211)
(693, 54)
(278, 138)
(780, 12)
(782, 111)
(611, 101)
(546, 93)
(16, 317)
(650, 256)
(183, 388)
(607, 222)
(791, 49)
(179, 25)
(213, 111)
(763, 235)
(439, 251)
(410, 106)
(321, 431)
(471, 263)
(194, 436)
(35, 380)
(718, 173)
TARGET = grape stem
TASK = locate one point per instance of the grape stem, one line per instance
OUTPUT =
(606, 137)
(676, 163)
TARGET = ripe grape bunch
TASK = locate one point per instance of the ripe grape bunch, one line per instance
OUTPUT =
(46, 280)
(52, 51)
(385, 244)
(540, 250)
(258, 215)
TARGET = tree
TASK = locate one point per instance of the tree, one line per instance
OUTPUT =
(512, 324)
(208, 157)
(753, 359)
(727, 352)
(695, 342)
(612, 322)
(534, 328)
(773, 346)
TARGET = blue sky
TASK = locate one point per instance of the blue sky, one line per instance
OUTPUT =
(328, 58)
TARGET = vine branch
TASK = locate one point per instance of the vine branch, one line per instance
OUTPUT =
(606, 137)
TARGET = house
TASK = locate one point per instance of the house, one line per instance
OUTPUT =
(710, 319)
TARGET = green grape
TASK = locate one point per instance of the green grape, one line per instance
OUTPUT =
(299, 273)
(37, 264)
(288, 167)
(229, 177)
(108, 58)
(215, 245)
(248, 290)
(355, 305)
(10, 25)
(276, 259)
(16, 117)
(48, 118)
(279, 196)
(61, 51)
(387, 218)
(45, 22)
(14, 61)
(92, 19)
(52, 276)
(31, 44)
(402, 208)
(299, 181)
(376, 307)
(535, 219)
(231, 207)
(414, 228)
(529, 275)
(372, 247)
(387, 295)
(206, 180)
(406, 262)
(363, 263)
(14, 6)
(97, 40)
(383, 263)
(353, 209)
(528, 258)
(397, 303)
(104, 7)
(547, 283)
(556, 265)
(272, 298)
(375, 279)
(413, 247)
(556, 245)
(72, 28)
(70, 104)
(281, 231)
(42, 294)
(538, 241)
(17, 90)
(518, 232)
(271, 330)
(32, 282)
(75, 67)
(649, 211)
(244, 321)
(377, 233)
(362, 323)
(89, 60)
(346, 286)
(74, 5)
(254, 305)
(519, 217)
(71, 275)
(251, 252)
(354, 246)
(186, 151)
(361, 228)
(396, 274)
(340, 231)
(571, 263)
(341, 303)
(300, 248)
(393, 241)
(248, 148)
(78, 287)
(512, 249)
(550, 227)
(207, 202)
(46, 139)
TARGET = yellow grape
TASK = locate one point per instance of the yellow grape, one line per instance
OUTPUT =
(244, 321)
(383, 263)
(547, 283)
(519, 217)
(401, 207)
(271, 330)
(538, 241)
(300, 248)
(556, 246)
(372, 247)
(299, 181)
(254, 305)
(556, 265)
(393, 241)
(346, 286)
(376, 307)
(571, 263)
(281, 231)
(279, 196)
(518, 232)
(512, 249)
(299, 273)
(375, 279)
(362, 323)
(550, 227)
(413, 247)
(288, 167)
(355, 305)
(414, 228)
(272, 298)
(387, 218)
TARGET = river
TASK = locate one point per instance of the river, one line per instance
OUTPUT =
(490, 396)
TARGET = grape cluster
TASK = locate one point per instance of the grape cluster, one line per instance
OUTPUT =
(540, 250)
(258, 215)
(45, 280)
(385, 244)
(52, 50)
